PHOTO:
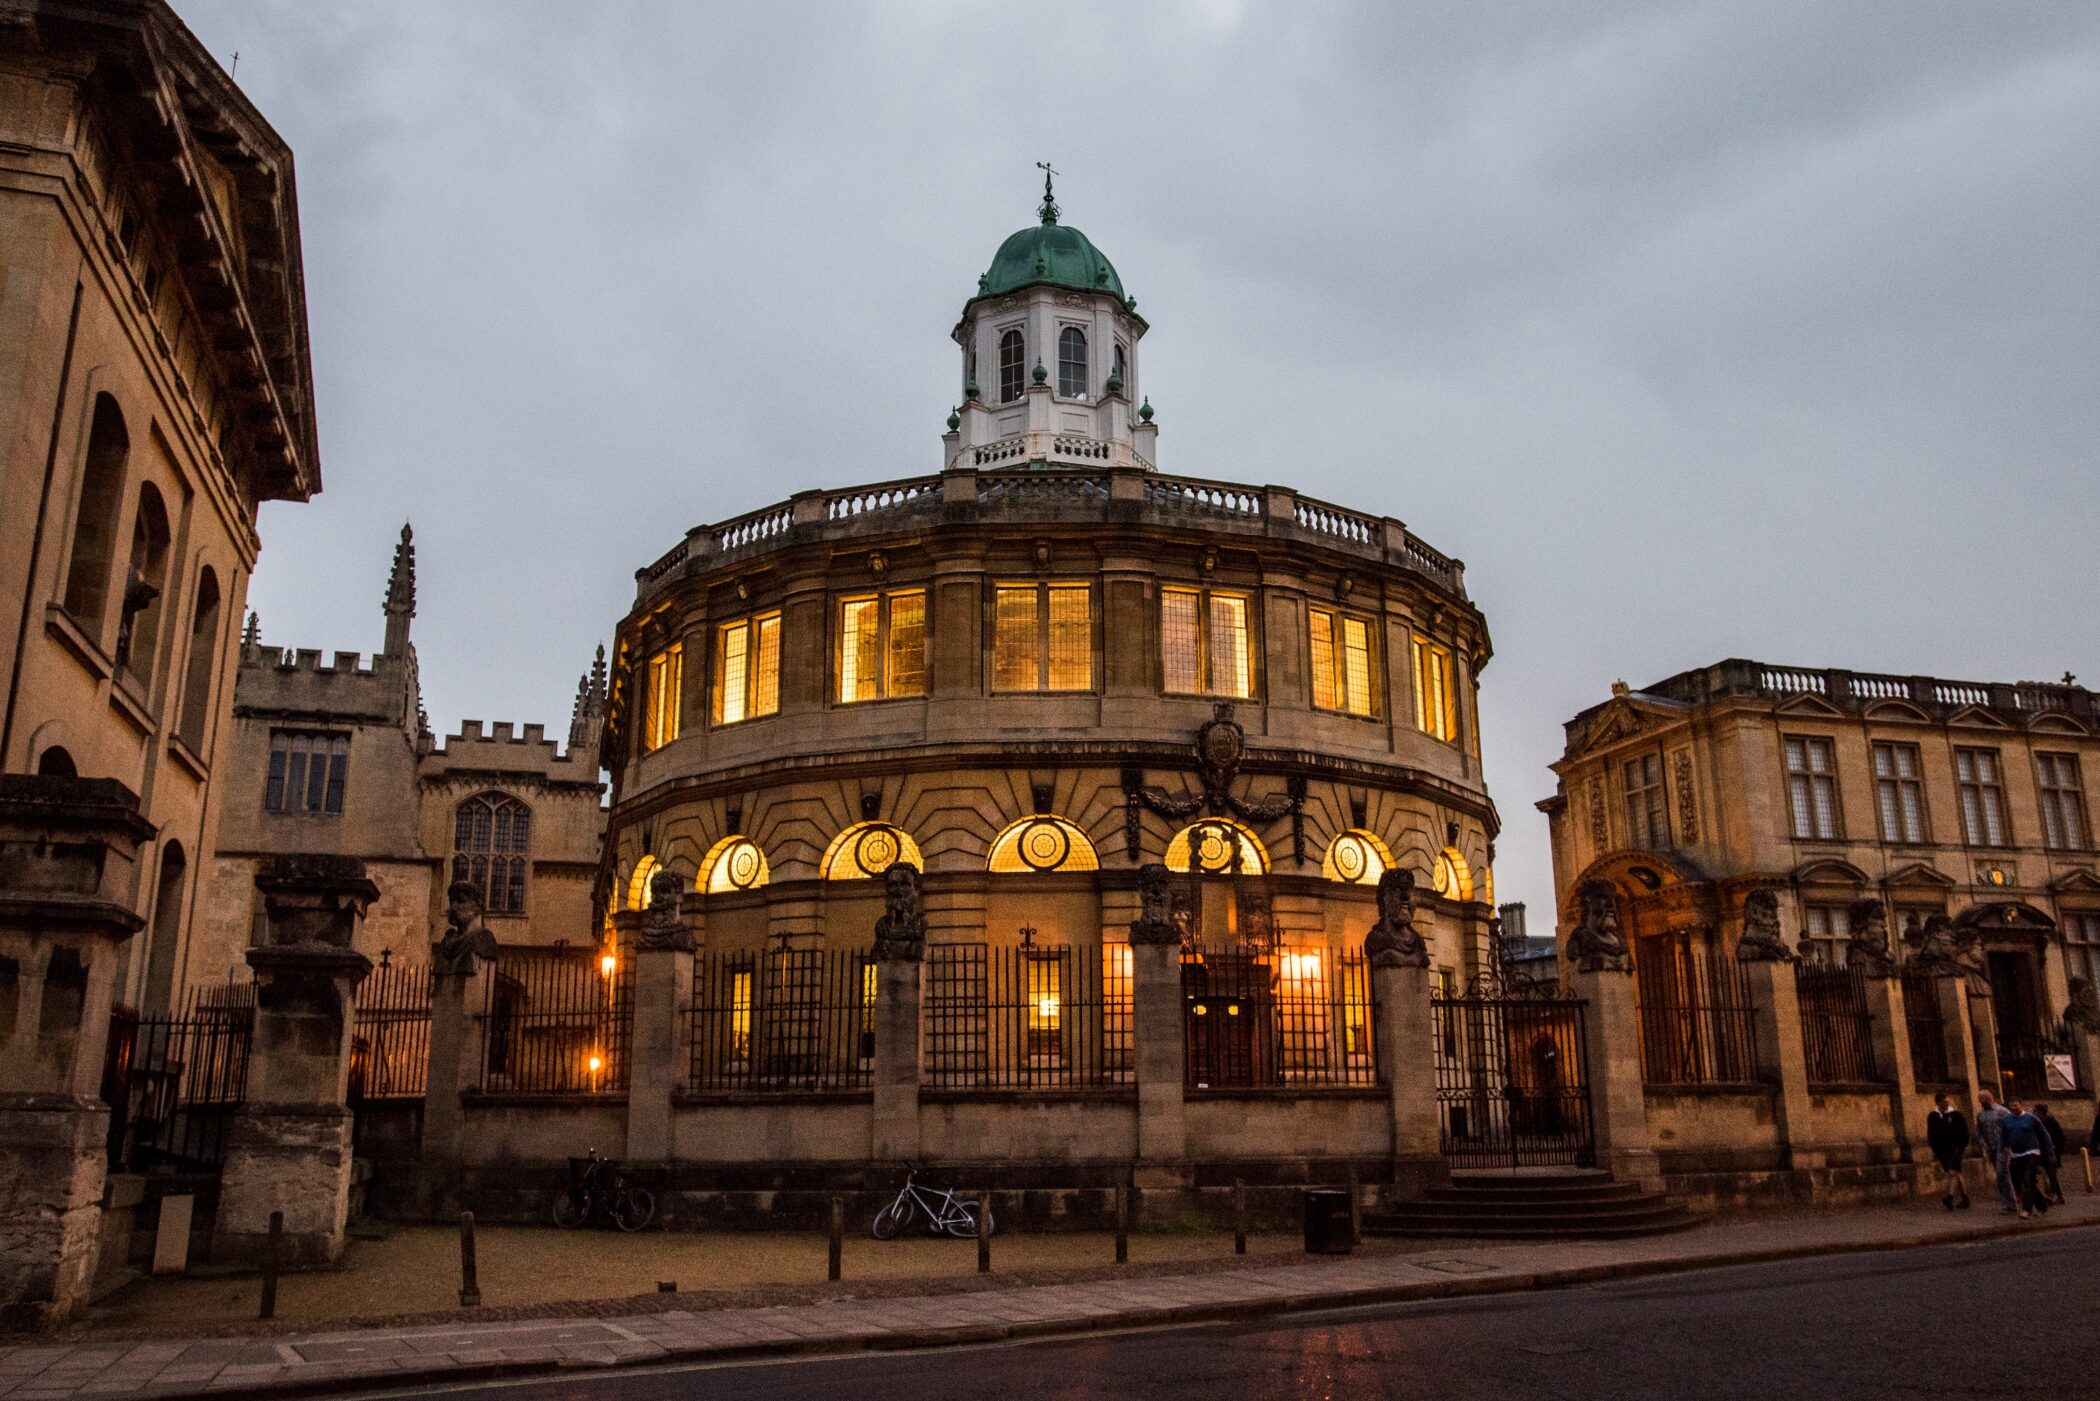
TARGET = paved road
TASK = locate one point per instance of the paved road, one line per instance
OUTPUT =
(2004, 1317)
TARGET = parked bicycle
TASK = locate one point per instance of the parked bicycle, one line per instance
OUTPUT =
(599, 1191)
(944, 1212)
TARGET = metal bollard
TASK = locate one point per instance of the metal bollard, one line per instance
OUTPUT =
(1356, 1206)
(2086, 1155)
(273, 1247)
(984, 1233)
(838, 1237)
(469, 1277)
(1122, 1224)
(1239, 1216)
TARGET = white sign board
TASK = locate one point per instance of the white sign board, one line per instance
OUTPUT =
(2060, 1072)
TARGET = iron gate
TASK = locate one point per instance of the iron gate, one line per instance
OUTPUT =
(1512, 1079)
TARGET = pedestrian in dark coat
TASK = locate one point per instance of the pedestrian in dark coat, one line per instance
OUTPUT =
(2052, 1151)
(1947, 1135)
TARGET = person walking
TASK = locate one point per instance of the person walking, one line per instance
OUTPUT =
(2053, 1151)
(1947, 1135)
(1990, 1137)
(2024, 1137)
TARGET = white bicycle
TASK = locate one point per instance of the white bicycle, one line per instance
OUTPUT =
(945, 1214)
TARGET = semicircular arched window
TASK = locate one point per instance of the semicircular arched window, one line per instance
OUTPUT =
(1042, 843)
(491, 840)
(1454, 878)
(867, 849)
(733, 863)
(1217, 846)
(1356, 857)
(638, 893)
(1071, 363)
(1013, 366)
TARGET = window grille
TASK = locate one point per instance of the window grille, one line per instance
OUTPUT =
(1206, 647)
(1697, 1023)
(1027, 1018)
(1837, 1034)
(556, 1022)
(783, 1020)
(1342, 668)
(882, 646)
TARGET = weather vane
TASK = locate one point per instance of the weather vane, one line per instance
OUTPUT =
(1049, 209)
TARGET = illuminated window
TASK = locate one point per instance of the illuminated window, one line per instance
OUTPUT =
(491, 836)
(1303, 1008)
(882, 646)
(1811, 787)
(1217, 846)
(1454, 878)
(1356, 857)
(1013, 368)
(1647, 814)
(1071, 362)
(666, 682)
(747, 669)
(1046, 1010)
(1982, 797)
(1042, 637)
(733, 863)
(1205, 647)
(870, 973)
(1042, 843)
(1436, 695)
(638, 892)
(867, 849)
(1900, 792)
(1341, 663)
(740, 1015)
(2063, 803)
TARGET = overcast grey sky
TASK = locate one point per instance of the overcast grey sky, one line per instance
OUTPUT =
(1697, 330)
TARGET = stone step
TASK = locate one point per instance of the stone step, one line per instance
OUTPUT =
(1587, 1192)
(1535, 1230)
(1444, 1215)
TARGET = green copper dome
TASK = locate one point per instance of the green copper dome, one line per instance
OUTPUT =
(1051, 253)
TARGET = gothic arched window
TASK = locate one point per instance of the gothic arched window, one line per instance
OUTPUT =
(95, 526)
(491, 838)
(1071, 362)
(1013, 368)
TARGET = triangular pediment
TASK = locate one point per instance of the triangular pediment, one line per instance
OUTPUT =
(1622, 719)
(1809, 705)
(2084, 882)
(2055, 722)
(1919, 873)
(1902, 712)
(1977, 715)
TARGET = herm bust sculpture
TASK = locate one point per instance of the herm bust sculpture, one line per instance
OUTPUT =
(1392, 942)
(466, 938)
(900, 931)
(1155, 922)
(663, 923)
(1595, 944)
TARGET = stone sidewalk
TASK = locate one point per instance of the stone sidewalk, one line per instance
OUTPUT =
(360, 1359)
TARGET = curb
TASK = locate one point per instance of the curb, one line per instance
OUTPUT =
(907, 1340)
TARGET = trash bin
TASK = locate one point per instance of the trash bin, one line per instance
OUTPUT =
(1327, 1229)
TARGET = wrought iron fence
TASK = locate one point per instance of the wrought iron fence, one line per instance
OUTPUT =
(1027, 1018)
(390, 1035)
(1255, 1018)
(2023, 1059)
(557, 1021)
(785, 1019)
(1697, 1023)
(1837, 1031)
(174, 1080)
(1512, 1077)
(1929, 1061)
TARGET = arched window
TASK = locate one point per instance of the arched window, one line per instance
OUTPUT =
(491, 838)
(1042, 843)
(95, 527)
(1356, 857)
(57, 762)
(166, 939)
(204, 651)
(1217, 846)
(1454, 878)
(145, 582)
(1013, 367)
(868, 849)
(733, 863)
(1071, 362)
(638, 893)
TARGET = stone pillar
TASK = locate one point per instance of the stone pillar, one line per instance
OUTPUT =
(1952, 990)
(459, 993)
(900, 944)
(288, 1149)
(661, 943)
(68, 878)
(1982, 1018)
(1776, 1007)
(2082, 1021)
(1601, 974)
(1156, 1024)
(1404, 1035)
(1867, 950)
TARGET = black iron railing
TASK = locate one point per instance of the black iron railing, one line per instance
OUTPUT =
(1254, 1018)
(1930, 1063)
(1837, 1029)
(1697, 1023)
(2024, 1058)
(174, 1080)
(390, 1035)
(1512, 1078)
(782, 1020)
(1027, 1018)
(557, 1021)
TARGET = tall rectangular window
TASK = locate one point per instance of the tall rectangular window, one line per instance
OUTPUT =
(666, 685)
(1811, 787)
(1341, 663)
(1436, 695)
(307, 771)
(882, 646)
(1823, 928)
(1206, 646)
(2063, 803)
(1042, 637)
(747, 669)
(1647, 809)
(1982, 797)
(1899, 792)
(2082, 944)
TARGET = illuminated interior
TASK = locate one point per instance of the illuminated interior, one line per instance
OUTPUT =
(733, 863)
(1356, 857)
(1211, 843)
(868, 849)
(1042, 843)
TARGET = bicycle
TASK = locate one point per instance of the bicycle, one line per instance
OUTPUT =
(602, 1192)
(944, 1212)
